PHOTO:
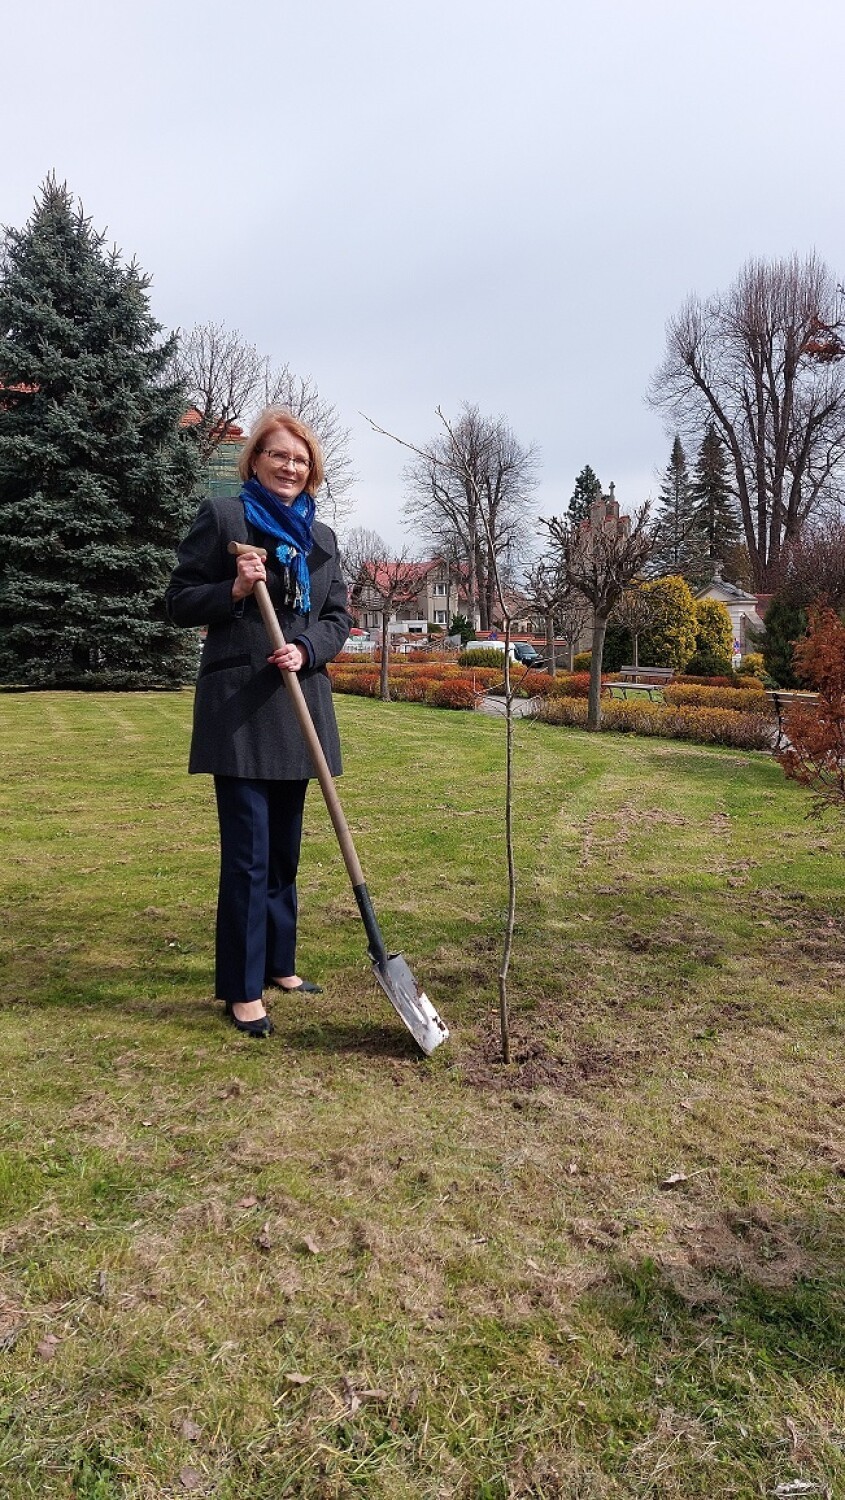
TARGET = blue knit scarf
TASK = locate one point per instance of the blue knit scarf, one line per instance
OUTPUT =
(291, 527)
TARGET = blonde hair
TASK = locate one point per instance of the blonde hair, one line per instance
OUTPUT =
(275, 419)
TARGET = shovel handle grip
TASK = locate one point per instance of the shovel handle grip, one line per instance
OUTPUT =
(305, 721)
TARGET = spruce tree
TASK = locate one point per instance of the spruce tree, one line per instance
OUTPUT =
(714, 506)
(587, 487)
(96, 482)
(680, 546)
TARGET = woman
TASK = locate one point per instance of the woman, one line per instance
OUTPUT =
(245, 733)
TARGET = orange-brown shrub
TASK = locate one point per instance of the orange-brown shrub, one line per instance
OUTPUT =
(535, 683)
(410, 689)
(436, 671)
(721, 682)
(706, 726)
(455, 692)
(365, 684)
(576, 685)
(694, 695)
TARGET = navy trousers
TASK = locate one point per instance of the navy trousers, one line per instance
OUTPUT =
(260, 836)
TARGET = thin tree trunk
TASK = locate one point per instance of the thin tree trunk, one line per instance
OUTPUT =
(504, 1019)
(550, 645)
(383, 682)
(635, 637)
(594, 704)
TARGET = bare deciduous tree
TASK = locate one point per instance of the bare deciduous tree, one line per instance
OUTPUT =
(546, 591)
(599, 558)
(228, 381)
(470, 488)
(635, 611)
(573, 617)
(222, 375)
(763, 364)
(379, 581)
(300, 396)
(814, 565)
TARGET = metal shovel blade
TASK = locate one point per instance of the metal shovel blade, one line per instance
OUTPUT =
(426, 1027)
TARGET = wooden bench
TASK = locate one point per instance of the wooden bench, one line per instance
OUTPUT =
(783, 698)
(628, 684)
(651, 690)
(654, 674)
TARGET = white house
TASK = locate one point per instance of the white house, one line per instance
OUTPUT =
(741, 606)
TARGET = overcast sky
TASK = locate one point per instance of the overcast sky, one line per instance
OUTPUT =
(422, 203)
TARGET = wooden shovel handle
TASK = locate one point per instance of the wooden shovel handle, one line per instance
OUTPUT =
(305, 721)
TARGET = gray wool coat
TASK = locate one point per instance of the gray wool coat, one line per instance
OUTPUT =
(244, 724)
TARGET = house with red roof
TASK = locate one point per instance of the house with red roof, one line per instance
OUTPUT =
(428, 593)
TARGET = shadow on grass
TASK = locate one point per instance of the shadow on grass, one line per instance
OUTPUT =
(364, 1037)
(722, 1346)
(116, 996)
(799, 1325)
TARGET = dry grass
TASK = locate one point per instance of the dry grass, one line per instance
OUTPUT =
(325, 1267)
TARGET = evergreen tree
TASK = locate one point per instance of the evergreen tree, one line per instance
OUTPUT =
(587, 487)
(96, 483)
(786, 624)
(714, 507)
(680, 549)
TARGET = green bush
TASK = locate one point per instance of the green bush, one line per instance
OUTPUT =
(618, 648)
(752, 665)
(581, 661)
(482, 658)
(704, 664)
(714, 633)
(460, 625)
(670, 639)
(785, 623)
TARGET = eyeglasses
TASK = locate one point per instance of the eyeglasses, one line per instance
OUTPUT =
(277, 456)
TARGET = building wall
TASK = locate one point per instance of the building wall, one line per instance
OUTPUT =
(221, 471)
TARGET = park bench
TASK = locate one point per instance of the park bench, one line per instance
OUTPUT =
(654, 674)
(782, 698)
(628, 684)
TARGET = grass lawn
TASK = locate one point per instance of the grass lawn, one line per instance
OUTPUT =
(323, 1266)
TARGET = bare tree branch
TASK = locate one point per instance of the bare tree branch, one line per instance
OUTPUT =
(380, 581)
(228, 382)
(300, 396)
(600, 557)
(764, 363)
(222, 376)
(470, 488)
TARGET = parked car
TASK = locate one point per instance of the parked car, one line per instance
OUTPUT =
(489, 646)
(521, 651)
(527, 654)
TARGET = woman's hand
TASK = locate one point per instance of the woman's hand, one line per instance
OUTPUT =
(251, 571)
(289, 658)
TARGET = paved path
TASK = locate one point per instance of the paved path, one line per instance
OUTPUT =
(522, 707)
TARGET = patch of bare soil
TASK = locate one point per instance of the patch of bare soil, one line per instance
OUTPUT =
(534, 1065)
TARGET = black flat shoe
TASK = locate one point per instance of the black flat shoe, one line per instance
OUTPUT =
(261, 1027)
(304, 988)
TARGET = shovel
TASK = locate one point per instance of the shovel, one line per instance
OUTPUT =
(390, 969)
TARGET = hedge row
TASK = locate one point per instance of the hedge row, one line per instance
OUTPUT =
(450, 692)
(707, 726)
(742, 700)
